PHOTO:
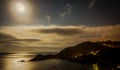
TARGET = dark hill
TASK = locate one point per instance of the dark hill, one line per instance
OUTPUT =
(82, 48)
(88, 52)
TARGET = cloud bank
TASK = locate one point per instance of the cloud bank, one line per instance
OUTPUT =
(102, 32)
(56, 36)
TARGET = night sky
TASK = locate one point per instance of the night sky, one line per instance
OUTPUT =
(68, 12)
(51, 25)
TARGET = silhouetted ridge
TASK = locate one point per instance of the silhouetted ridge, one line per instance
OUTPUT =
(82, 48)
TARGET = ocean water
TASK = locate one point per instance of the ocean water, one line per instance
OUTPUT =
(13, 62)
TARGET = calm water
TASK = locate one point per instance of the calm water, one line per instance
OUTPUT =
(11, 62)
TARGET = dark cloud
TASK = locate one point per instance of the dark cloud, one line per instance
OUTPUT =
(6, 40)
(30, 40)
(62, 31)
(90, 35)
(6, 37)
(27, 40)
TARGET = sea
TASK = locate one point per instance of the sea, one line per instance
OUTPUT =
(20, 61)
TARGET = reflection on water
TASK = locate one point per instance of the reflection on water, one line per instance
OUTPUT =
(10, 62)
(14, 65)
(15, 62)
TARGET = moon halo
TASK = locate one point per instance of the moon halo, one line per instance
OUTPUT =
(21, 10)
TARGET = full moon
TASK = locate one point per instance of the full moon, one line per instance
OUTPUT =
(20, 8)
